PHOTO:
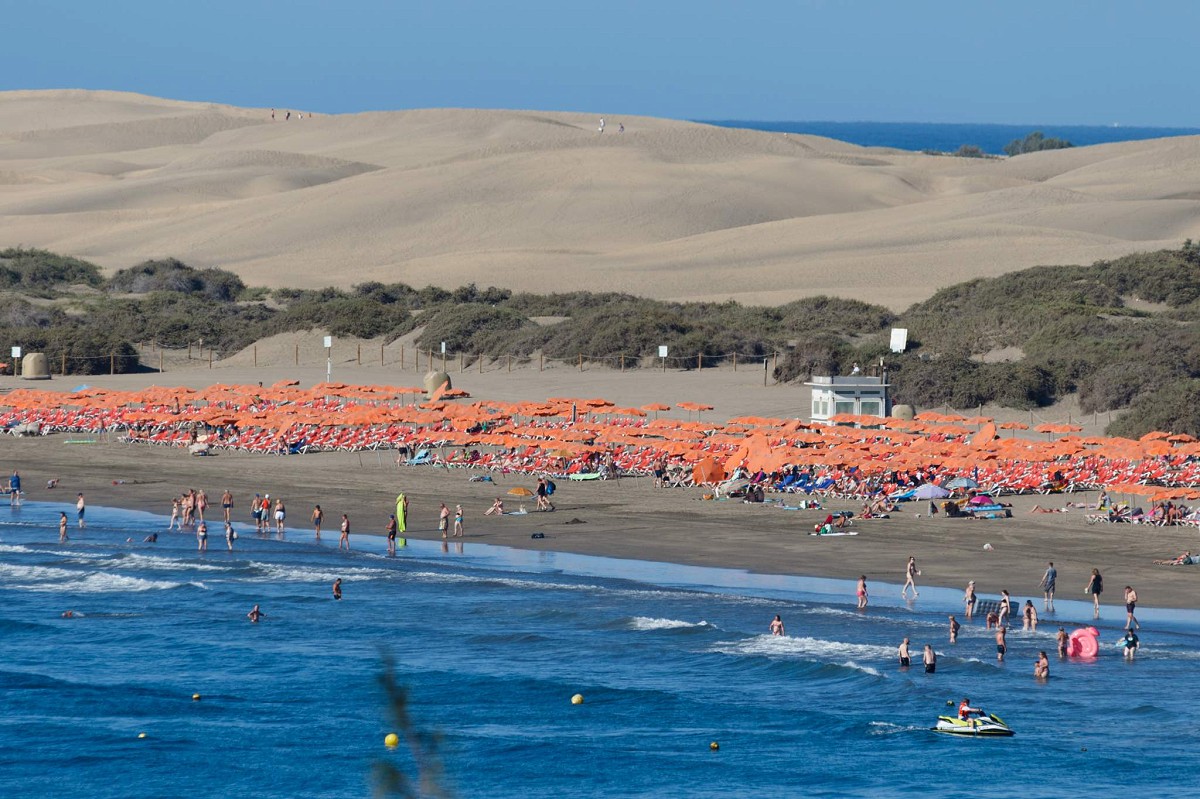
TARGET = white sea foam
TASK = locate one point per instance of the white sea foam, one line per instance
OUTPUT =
(850, 664)
(304, 574)
(157, 563)
(101, 583)
(645, 623)
(784, 645)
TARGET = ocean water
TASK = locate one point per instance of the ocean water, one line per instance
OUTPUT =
(492, 643)
(948, 137)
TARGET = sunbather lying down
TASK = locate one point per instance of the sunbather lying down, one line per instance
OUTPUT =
(1186, 559)
(1040, 509)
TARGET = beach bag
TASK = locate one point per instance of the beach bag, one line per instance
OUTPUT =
(550, 487)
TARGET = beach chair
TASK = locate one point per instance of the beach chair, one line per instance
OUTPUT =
(422, 458)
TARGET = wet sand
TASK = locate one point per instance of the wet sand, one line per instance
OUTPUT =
(630, 518)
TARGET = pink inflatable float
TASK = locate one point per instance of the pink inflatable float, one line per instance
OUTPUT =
(1083, 643)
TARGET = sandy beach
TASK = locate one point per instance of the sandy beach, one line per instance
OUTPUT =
(541, 201)
(629, 518)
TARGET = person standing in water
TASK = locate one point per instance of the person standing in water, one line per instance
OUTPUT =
(777, 626)
(62, 527)
(337, 588)
(1131, 599)
(1001, 643)
(1095, 587)
(861, 591)
(902, 653)
(202, 537)
(954, 628)
(80, 509)
(391, 534)
(458, 521)
(1041, 666)
(969, 599)
(1030, 616)
(317, 516)
(226, 504)
(1131, 644)
(255, 614)
(345, 539)
(930, 659)
(910, 578)
(1048, 580)
(230, 535)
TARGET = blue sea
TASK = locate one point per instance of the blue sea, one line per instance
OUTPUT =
(948, 137)
(492, 643)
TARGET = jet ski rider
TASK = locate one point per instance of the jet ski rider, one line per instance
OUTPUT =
(965, 711)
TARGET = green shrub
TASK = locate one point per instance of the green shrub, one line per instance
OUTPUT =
(41, 273)
(470, 327)
(175, 276)
(1035, 142)
(1173, 407)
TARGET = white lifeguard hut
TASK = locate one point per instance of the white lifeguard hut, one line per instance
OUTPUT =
(862, 395)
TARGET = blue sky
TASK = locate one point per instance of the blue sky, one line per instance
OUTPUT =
(896, 60)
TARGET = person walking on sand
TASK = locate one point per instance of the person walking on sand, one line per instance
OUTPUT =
(458, 521)
(902, 653)
(861, 591)
(280, 515)
(444, 520)
(202, 537)
(80, 509)
(777, 626)
(337, 588)
(969, 599)
(226, 505)
(1048, 580)
(911, 572)
(1095, 587)
(1131, 599)
(230, 535)
(62, 527)
(391, 534)
(1001, 643)
(317, 516)
(1030, 617)
(954, 628)
(14, 489)
(345, 539)
(929, 658)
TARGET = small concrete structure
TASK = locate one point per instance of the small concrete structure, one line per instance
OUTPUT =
(857, 394)
(906, 412)
(434, 381)
(35, 367)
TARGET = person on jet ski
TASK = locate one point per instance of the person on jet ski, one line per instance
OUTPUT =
(965, 711)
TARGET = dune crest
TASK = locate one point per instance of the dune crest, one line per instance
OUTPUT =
(543, 201)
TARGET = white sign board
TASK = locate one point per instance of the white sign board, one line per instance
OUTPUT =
(899, 339)
(328, 342)
(16, 352)
(443, 348)
(662, 351)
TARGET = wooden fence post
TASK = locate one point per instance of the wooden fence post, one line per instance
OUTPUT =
(541, 361)
(622, 362)
(297, 353)
(256, 355)
(160, 362)
(509, 363)
(112, 363)
(401, 357)
(210, 357)
(381, 363)
(735, 362)
(360, 353)
(581, 361)
(699, 360)
(64, 363)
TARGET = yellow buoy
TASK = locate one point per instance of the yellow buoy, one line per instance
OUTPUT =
(141, 735)
(577, 699)
(391, 740)
(195, 697)
(714, 746)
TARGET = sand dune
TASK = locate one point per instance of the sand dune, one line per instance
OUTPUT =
(543, 201)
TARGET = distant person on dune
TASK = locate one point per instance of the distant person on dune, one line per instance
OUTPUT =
(601, 124)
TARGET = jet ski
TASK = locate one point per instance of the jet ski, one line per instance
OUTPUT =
(987, 724)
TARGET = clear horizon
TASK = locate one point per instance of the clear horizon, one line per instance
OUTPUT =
(930, 60)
